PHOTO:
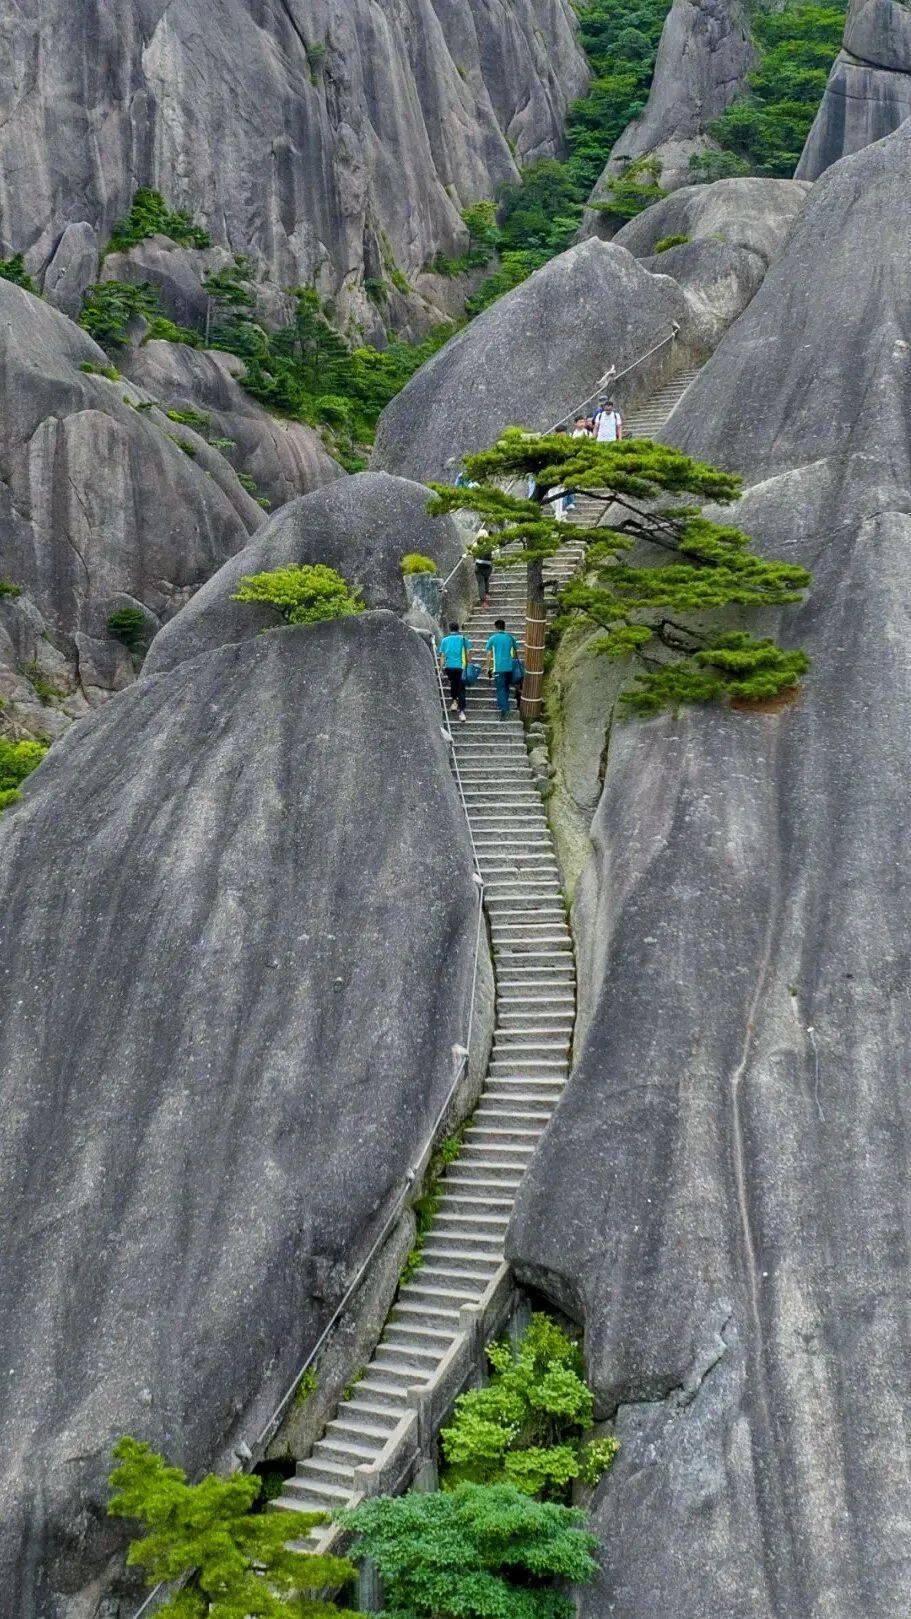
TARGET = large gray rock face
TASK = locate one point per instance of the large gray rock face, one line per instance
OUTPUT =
(705, 54)
(324, 138)
(98, 502)
(234, 896)
(869, 90)
(722, 1194)
(531, 357)
(752, 213)
(285, 459)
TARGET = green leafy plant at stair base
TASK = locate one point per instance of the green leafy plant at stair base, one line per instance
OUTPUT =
(17, 760)
(427, 1205)
(306, 1388)
(525, 1427)
(306, 594)
(704, 566)
(151, 215)
(235, 1561)
(476, 1552)
(414, 562)
(767, 127)
(14, 270)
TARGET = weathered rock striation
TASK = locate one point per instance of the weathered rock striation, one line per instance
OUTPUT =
(258, 860)
(330, 140)
(533, 356)
(721, 1196)
(705, 54)
(869, 90)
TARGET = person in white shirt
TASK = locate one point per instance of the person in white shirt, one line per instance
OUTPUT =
(608, 423)
(580, 430)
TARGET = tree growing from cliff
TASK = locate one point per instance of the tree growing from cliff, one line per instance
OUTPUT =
(525, 1427)
(651, 608)
(309, 593)
(14, 270)
(233, 1562)
(151, 215)
(476, 1552)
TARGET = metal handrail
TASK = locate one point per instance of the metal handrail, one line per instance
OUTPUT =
(612, 375)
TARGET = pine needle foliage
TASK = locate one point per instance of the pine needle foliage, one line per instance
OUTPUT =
(651, 571)
(309, 593)
(108, 307)
(151, 215)
(14, 270)
(476, 1552)
(525, 1427)
(234, 1561)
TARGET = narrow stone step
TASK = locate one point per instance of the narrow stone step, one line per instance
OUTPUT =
(347, 1451)
(362, 1416)
(324, 1493)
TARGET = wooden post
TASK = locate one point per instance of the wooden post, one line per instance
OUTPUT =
(535, 630)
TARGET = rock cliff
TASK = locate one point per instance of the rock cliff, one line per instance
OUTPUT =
(703, 59)
(233, 894)
(869, 90)
(721, 1194)
(332, 140)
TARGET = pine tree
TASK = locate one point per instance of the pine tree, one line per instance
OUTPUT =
(235, 1562)
(650, 569)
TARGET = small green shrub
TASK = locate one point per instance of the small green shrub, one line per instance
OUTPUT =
(414, 562)
(305, 1388)
(525, 1426)
(399, 280)
(47, 692)
(109, 372)
(163, 330)
(129, 625)
(667, 242)
(632, 191)
(17, 760)
(197, 419)
(151, 215)
(376, 289)
(474, 1552)
(306, 594)
(427, 1205)
(707, 167)
(184, 444)
(14, 270)
(234, 1560)
(316, 58)
(9, 591)
(109, 306)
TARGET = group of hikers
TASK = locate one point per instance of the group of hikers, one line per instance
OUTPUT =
(503, 662)
(503, 658)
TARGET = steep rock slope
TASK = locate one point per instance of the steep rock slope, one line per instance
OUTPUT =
(722, 1195)
(259, 862)
(703, 59)
(328, 139)
(869, 90)
(531, 356)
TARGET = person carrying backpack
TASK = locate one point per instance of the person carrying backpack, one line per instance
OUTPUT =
(454, 653)
(502, 653)
(608, 423)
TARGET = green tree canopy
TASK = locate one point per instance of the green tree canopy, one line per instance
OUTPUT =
(235, 1561)
(768, 125)
(476, 1552)
(652, 572)
(306, 593)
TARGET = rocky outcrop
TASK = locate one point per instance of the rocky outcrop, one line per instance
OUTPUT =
(532, 357)
(284, 458)
(705, 54)
(258, 859)
(869, 90)
(720, 1196)
(332, 141)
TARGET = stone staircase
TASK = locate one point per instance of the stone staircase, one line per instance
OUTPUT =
(462, 1264)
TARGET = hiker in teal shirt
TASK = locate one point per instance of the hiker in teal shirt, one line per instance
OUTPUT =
(502, 651)
(455, 651)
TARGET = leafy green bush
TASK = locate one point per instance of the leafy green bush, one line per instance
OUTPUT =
(17, 760)
(129, 625)
(199, 420)
(525, 1426)
(150, 215)
(14, 270)
(109, 372)
(632, 191)
(236, 1561)
(476, 1552)
(9, 591)
(668, 242)
(109, 306)
(707, 167)
(414, 562)
(306, 594)
(167, 331)
(767, 126)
